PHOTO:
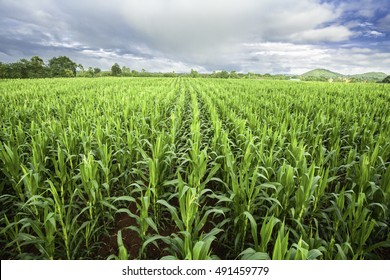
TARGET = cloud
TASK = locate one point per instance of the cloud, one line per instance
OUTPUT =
(179, 25)
(374, 33)
(160, 35)
(327, 34)
(299, 58)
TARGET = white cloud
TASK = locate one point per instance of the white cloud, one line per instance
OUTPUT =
(374, 33)
(366, 24)
(192, 26)
(327, 34)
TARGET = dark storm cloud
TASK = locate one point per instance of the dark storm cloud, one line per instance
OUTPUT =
(166, 35)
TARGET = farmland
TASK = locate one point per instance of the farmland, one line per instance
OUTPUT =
(180, 168)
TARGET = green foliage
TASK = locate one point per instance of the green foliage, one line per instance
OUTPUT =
(37, 68)
(62, 66)
(116, 70)
(194, 73)
(222, 74)
(96, 70)
(33, 68)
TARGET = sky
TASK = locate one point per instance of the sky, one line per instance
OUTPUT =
(261, 36)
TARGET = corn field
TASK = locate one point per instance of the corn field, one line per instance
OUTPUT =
(180, 168)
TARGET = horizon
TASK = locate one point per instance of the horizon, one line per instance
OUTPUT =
(279, 37)
(220, 70)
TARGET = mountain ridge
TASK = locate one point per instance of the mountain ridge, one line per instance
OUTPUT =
(327, 74)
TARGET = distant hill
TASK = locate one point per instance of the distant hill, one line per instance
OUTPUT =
(323, 74)
(373, 76)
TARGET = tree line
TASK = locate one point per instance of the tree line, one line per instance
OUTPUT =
(36, 68)
(63, 66)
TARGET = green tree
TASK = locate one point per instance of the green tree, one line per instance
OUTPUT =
(18, 70)
(4, 69)
(81, 67)
(223, 74)
(69, 73)
(96, 71)
(62, 66)
(126, 71)
(36, 68)
(116, 70)
(250, 75)
(90, 72)
(233, 75)
(8, 71)
(170, 74)
(143, 73)
(194, 73)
